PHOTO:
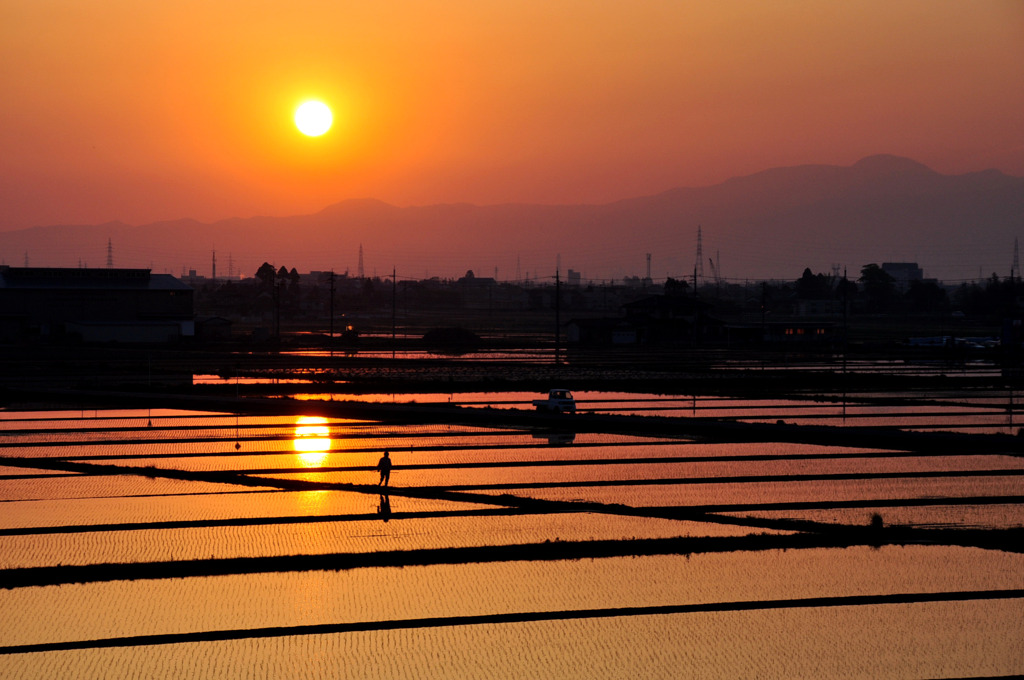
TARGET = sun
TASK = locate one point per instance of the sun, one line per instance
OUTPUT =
(313, 118)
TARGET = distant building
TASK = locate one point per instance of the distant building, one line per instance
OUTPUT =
(470, 280)
(817, 307)
(601, 332)
(904, 273)
(652, 320)
(799, 332)
(574, 278)
(213, 328)
(94, 305)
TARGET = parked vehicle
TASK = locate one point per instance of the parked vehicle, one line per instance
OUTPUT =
(558, 401)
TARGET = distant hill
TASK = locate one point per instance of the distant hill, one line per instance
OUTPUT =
(771, 224)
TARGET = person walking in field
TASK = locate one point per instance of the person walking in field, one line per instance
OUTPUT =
(384, 467)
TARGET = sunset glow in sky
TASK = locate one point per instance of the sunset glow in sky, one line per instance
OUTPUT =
(144, 111)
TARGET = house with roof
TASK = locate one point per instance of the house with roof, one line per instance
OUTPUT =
(651, 320)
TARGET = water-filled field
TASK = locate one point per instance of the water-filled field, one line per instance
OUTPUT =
(192, 544)
(989, 410)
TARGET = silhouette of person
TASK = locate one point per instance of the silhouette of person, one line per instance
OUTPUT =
(384, 467)
(384, 509)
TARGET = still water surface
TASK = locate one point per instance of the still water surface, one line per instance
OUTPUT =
(736, 609)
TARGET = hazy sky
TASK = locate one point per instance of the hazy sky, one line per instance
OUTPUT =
(142, 111)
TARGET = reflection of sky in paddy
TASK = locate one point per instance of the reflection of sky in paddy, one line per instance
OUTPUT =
(977, 413)
(248, 504)
(683, 469)
(105, 486)
(504, 459)
(283, 441)
(365, 534)
(312, 440)
(999, 515)
(688, 495)
(11, 471)
(863, 641)
(869, 641)
(781, 641)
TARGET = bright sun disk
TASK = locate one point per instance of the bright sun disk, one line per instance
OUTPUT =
(313, 118)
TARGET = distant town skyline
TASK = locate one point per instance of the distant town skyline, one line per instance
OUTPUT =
(143, 112)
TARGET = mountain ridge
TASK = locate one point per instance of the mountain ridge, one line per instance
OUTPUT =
(769, 224)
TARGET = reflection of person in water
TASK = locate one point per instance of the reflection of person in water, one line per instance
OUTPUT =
(384, 467)
(384, 509)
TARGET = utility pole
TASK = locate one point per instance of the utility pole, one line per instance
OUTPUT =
(846, 342)
(718, 273)
(394, 307)
(1015, 267)
(699, 265)
(277, 311)
(332, 313)
(696, 302)
(558, 316)
(846, 331)
(764, 305)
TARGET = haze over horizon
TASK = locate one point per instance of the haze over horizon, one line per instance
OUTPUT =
(146, 112)
(768, 225)
(373, 199)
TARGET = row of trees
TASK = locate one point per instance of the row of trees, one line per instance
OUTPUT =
(269, 277)
(280, 289)
(876, 291)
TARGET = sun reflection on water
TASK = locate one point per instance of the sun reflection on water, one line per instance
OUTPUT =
(312, 440)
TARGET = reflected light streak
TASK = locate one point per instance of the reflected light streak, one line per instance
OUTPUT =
(312, 440)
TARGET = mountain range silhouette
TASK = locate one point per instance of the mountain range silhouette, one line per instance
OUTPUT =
(771, 224)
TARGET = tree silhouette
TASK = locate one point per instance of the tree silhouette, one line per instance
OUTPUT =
(675, 287)
(879, 288)
(266, 275)
(814, 286)
(927, 296)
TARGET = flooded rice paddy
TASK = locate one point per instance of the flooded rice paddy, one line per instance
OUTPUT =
(981, 411)
(146, 543)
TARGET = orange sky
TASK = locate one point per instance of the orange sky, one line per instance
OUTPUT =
(143, 111)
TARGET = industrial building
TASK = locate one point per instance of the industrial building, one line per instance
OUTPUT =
(903, 274)
(93, 305)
